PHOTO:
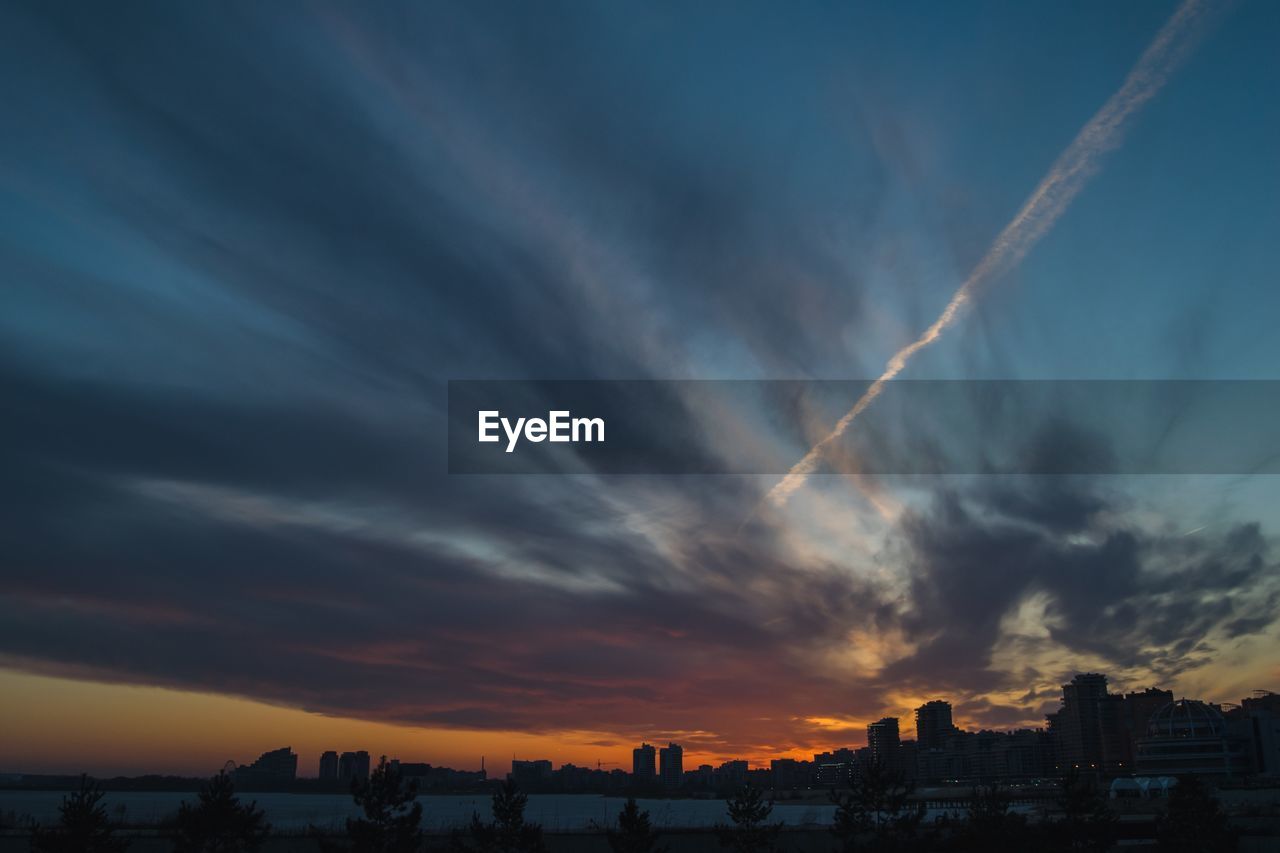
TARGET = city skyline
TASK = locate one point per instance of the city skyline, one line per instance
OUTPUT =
(905, 728)
(247, 248)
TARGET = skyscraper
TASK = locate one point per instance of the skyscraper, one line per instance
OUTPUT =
(672, 764)
(882, 739)
(933, 724)
(1077, 727)
(644, 763)
(329, 766)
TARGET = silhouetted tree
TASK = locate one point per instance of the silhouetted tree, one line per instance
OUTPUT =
(1086, 821)
(219, 822)
(876, 813)
(751, 831)
(1194, 821)
(634, 833)
(83, 825)
(990, 825)
(507, 832)
(392, 817)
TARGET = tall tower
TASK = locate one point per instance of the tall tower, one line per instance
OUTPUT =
(882, 738)
(671, 759)
(933, 724)
(1077, 726)
(644, 763)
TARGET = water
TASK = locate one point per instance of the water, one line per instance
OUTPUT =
(330, 811)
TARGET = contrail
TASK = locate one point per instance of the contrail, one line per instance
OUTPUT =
(1051, 198)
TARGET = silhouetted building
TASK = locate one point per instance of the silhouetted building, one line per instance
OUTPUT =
(731, 774)
(671, 758)
(933, 724)
(644, 764)
(1258, 720)
(353, 765)
(788, 774)
(836, 768)
(1190, 737)
(440, 778)
(1076, 728)
(882, 740)
(1113, 735)
(329, 766)
(1138, 709)
(276, 766)
(531, 775)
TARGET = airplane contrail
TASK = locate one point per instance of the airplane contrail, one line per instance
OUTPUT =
(1051, 198)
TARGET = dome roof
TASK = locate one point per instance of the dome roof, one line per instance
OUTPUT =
(1187, 718)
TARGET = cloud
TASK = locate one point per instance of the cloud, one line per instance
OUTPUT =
(1049, 201)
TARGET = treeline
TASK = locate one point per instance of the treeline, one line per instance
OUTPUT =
(877, 814)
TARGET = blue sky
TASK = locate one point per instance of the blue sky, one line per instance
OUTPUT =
(245, 246)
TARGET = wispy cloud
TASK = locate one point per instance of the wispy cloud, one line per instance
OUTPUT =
(1051, 198)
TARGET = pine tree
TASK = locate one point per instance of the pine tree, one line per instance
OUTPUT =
(634, 833)
(876, 813)
(219, 822)
(507, 832)
(392, 817)
(83, 825)
(751, 832)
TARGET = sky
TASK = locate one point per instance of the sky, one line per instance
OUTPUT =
(244, 247)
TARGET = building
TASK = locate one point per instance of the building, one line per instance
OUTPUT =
(1138, 710)
(353, 765)
(1076, 727)
(835, 769)
(934, 725)
(270, 768)
(883, 741)
(1191, 737)
(788, 774)
(671, 765)
(644, 764)
(1258, 720)
(531, 774)
(329, 766)
(731, 774)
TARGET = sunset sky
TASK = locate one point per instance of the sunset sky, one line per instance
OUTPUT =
(244, 246)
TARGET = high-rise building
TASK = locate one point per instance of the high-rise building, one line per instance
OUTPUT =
(882, 740)
(1138, 710)
(933, 724)
(1076, 727)
(644, 763)
(329, 766)
(353, 765)
(671, 758)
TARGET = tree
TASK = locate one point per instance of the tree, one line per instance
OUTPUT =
(219, 822)
(1086, 821)
(876, 813)
(507, 832)
(751, 831)
(634, 833)
(990, 825)
(392, 817)
(83, 825)
(1194, 821)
